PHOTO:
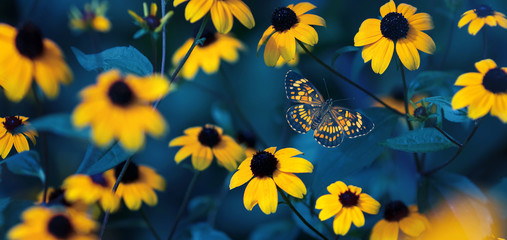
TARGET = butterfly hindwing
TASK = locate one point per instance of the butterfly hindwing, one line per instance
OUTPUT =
(329, 133)
(300, 90)
(300, 117)
(354, 123)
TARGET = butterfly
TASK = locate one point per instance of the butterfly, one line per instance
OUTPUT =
(331, 123)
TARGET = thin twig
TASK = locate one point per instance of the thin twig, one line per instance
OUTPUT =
(183, 205)
(446, 135)
(287, 200)
(348, 80)
(148, 223)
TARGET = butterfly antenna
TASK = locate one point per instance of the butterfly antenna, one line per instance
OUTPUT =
(327, 90)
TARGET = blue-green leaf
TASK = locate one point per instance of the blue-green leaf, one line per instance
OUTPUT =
(444, 107)
(343, 50)
(99, 160)
(431, 81)
(281, 229)
(126, 59)
(25, 163)
(419, 141)
(59, 124)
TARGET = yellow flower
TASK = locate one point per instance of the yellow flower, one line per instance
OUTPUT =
(266, 170)
(53, 224)
(221, 12)
(91, 189)
(288, 24)
(205, 142)
(25, 56)
(401, 25)
(480, 16)
(483, 91)
(150, 22)
(14, 131)
(346, 204)
(137, 185)
(92, 17)
(118, 107)
(398, 217)
(207, 56)
(56, 197)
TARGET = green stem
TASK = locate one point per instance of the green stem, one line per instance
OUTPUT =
(197, 39)
(183, 205)
(116, 184)
(150, 226)
(347, 80)
(445, 164)
(234, 103)
(287, 200)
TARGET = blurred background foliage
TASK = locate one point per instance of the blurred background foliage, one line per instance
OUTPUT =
(479, 173)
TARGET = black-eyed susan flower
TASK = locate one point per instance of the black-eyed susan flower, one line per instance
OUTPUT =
(137, 185)
(398, 217)
(484, 14)
(483, 91)
(53, 223)
(13, 132)
(93, 17)
(150, 22)
(222, 12)
(207, 56)
(288, 24)
(398, 25)
(268, 170)
(26, 56)
(119, 107)
(204, 143)
(91, 189)
(347, 204)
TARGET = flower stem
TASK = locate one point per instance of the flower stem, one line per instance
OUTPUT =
(197, 39)
(236, 107)
(449, 137)
(445, 164)
(148, 223)
(162, 64)
(116, 184)
(183, 205)
(287, 200)
(348, 80)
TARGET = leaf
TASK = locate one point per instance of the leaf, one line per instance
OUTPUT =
(343, 50)
(25, 163)
(429, 81)
(203, 231)
(444, 106)
(4, 202)
(100, 160)
(126, 59)
(281, 229)
(59, 124)
(419, 141)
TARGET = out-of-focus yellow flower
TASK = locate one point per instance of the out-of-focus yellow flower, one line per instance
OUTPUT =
(480, 16)
(399, 222)
(150, 22)
(93, 16)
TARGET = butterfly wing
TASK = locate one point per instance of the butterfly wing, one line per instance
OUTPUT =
(354, 123)
(300, 117)
(329, 133)
(300, 90)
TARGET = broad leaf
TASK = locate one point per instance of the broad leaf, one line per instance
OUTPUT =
(99, 160)
(59, 124)
(25, 163)
(419, 141)
(437, 82)
(444, 107)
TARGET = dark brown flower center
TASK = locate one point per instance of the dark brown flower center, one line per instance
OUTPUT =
(246, 138)
(420, 112)
(58, 197)
(283, 19)
(12, 122)
(495, 81)
(209, 37)
(60, 227)
(394, 26)
(395, 211)
(120, 93)
(131, 173)
(263, 164)
(99, 179)
(29, 41)
(209, 136)
(348, 199)
(152, 22)
(484, 11)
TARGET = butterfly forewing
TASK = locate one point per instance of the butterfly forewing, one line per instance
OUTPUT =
(300, 117)
(300, 90)
(354, 123)
(329, 133)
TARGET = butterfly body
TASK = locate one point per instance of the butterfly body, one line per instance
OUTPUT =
(312, 112)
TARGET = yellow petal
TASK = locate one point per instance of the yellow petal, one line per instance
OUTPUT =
(482, 106)
(290, 183)
(421, 41)
(148, 88)
(19, 80)
(357, 216)
(182, 140)
(412, 226)
(499, 107)
(268, 195)
(342, 222)
(221, 16)
(178, 2)
(294, 165)
(305, 33)
(287, 45)
(383, 55)
(406, 10)
(226, 157)
(20, 143)
(466, 18)
(387, 8)
(467, 96)
(136, 17)
(303, 7)
(475, 26)
(367, 204)
(408, 54)
(471, 78)
(201, 159)
(330, 205)
(500, 19)
(196, 9)
(153, 9)
(385, 230)
(312, 19)
(241, 177)
(252, 194)
(337, 188)
(421, 21)
(265, 36)
(485, 65)
(287, 153)
(369, 32)
(6, 145)
(490, 20)
(271, 53)
(241, 11)
(185, 151)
